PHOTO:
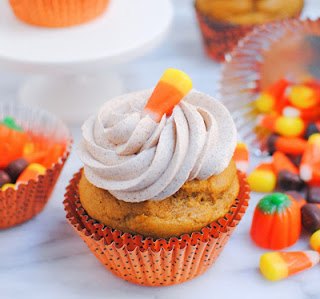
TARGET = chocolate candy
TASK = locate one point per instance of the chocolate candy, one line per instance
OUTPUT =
(289, 181)
(313, 194)
(16, 167)
(4, 178)
(310, 217)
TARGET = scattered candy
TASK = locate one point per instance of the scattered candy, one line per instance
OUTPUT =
(15, 168)
(241, 157)
(279, 265)
(31, 172)
(302, 96)
(310, 162)
(263, 178)
(312, 128)
(276, 222)
(313, 194)
(4, 178)
(287, 145)
(285, 126)
(7, 186)
(310, 217)
(315, 241)
(287, 173)
(170, 90)
(294, 195)
(272, 98)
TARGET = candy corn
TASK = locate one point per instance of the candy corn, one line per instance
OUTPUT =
(272, 98)
(170, 90)
(241, 157)
(287, 173)
(315, 241)
(287, 145)
(31, 173)
(279, 265)
(285, 126)
(310, 162)
(263, 178)
(302, 96)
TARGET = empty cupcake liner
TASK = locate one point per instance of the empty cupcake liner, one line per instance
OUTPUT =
(257, 62)
(154, 262)
(57, 13)
(26, 200)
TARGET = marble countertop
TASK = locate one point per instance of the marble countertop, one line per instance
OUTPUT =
(45, 258)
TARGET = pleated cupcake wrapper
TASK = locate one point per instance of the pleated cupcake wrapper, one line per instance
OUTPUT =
(243, 75)
(26, 200)
(220, 37)
(57, 13)
(154, 262)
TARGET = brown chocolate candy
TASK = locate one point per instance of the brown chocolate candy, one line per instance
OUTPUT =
(4, 178)
(289, 181)
(15, 168)
(271, 143)
(313, 194)
(310, 217)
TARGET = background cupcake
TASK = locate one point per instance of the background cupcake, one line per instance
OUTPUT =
(153, 181)
(224, 22)
(57, 13)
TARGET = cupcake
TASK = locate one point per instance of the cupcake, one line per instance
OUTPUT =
(158, 180)
(57, 13)
(224, 22)
(34, 146)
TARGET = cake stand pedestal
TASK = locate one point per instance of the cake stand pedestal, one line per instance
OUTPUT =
(76, 65)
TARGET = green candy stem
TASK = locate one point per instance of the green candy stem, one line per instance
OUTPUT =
(275, 203)
(10, 123)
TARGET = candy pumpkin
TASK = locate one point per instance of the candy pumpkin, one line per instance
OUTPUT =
(276, 222)
(12, 141)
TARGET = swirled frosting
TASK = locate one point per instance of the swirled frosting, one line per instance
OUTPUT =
(137, 159)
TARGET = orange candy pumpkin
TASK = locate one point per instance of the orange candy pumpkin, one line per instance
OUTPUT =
(276, 222)
(12, 141)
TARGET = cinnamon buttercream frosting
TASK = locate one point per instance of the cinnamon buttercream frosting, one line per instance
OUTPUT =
(138, 159)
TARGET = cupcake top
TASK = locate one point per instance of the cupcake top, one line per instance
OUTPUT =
(136, 158)
(250, 11)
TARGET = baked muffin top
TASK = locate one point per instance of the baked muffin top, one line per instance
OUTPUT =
(246, 12)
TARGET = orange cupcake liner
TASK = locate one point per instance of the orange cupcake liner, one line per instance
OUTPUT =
(57, 13)
(154, 262)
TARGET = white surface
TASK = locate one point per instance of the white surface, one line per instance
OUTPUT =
(45, 258)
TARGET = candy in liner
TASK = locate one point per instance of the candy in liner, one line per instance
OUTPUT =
(154, 262)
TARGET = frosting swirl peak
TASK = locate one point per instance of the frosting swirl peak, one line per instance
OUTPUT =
(137, 159)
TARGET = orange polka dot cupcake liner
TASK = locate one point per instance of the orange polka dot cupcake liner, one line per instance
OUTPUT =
(57, 13)
(154, 262)
(26, 200)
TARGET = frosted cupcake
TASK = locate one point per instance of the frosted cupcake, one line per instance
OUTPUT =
(158, 164)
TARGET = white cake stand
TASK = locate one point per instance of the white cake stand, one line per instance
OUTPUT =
(76, 63)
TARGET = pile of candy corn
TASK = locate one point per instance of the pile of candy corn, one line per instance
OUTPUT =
(24, 155)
